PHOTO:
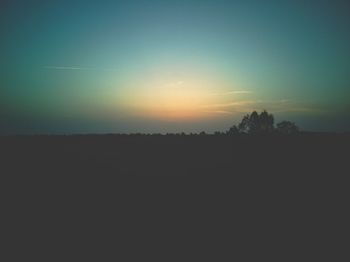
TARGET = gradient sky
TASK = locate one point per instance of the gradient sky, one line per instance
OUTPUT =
(172, 66)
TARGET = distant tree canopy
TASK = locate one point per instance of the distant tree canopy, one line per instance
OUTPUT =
(287, 127)
(257, 123)
(262, 123)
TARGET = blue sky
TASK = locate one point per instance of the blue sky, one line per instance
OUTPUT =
(170, 66)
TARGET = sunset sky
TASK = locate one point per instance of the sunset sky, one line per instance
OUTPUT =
(171, 66)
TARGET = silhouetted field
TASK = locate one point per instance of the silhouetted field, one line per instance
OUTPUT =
(285, 192)
(176, 154)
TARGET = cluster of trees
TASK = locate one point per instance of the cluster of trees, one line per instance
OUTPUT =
(253, 123)
(262, 123)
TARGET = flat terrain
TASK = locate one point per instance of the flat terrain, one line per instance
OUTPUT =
(175, 155)
(285, 192)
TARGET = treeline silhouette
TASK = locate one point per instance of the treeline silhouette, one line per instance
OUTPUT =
(255, 145)
(253, 123)
(262, 123)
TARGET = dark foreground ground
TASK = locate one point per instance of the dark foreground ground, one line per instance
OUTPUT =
(266, 197)
(306, 154)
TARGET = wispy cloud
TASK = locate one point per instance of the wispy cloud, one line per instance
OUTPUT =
(284, 101)
(78, 68)
(64, 67)
(236, 92)
(277, 106)
(230, 104)
(239, 92)
(222, 112)
(175, 84)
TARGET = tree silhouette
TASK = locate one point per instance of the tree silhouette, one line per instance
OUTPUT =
(266, 122)
(234, 130)
(256, 123)
(244, 126)
(287, 127)
(262, 123)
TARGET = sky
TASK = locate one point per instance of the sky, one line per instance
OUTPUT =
(161, 66)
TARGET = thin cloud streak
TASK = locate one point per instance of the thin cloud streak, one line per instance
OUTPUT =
(240, 92)
(64, 68)
(230, 104)
(237, 92)
(281, 106)
(219, 112)
(78, 68)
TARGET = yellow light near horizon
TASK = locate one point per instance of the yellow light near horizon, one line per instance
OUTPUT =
(166, 97)
(178, 99)
(166, 94)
